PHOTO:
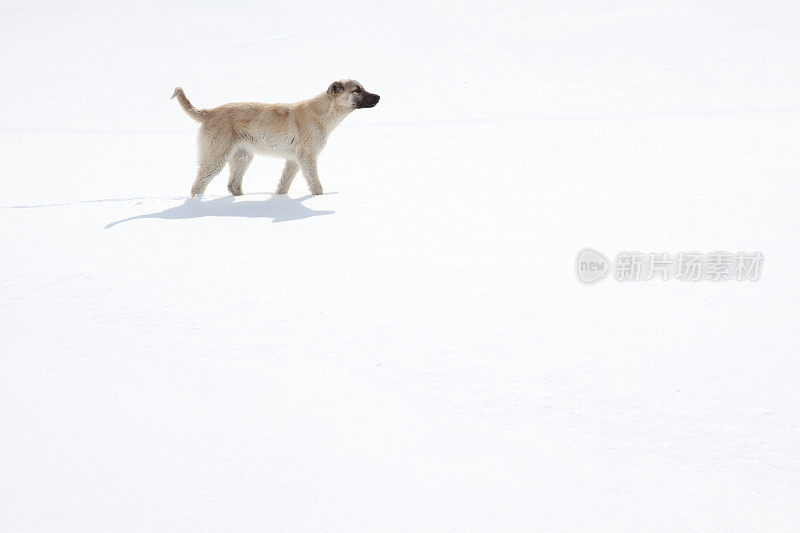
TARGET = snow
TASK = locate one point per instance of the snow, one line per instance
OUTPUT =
(411, 350)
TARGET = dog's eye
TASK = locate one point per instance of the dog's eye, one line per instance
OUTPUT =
(357, 90)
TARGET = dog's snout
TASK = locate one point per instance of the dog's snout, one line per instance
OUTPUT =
(371, 100)
(367, 100)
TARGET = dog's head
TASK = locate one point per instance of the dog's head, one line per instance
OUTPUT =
(352, 95)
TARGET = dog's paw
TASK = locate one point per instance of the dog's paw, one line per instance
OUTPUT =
(317, 192)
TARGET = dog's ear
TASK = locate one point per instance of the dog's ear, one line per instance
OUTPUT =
(335, 88)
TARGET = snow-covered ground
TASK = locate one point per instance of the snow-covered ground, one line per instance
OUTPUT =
(412, 350)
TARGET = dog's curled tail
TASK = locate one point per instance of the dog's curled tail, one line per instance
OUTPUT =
(197, 114)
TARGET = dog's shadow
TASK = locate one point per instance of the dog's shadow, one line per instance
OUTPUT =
(280, 208)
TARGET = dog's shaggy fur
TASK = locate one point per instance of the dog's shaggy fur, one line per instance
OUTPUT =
(296, 132)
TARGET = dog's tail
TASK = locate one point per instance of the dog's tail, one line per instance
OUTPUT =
(197, 114)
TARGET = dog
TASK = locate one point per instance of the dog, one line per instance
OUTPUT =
(296, 132)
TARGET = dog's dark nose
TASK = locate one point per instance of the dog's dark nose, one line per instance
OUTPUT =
(369, 100)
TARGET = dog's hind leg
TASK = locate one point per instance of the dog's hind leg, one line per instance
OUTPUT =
(238, 162)
(289, 172)
(205, 174)
(213, 154)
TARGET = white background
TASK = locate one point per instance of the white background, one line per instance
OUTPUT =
(412, 350)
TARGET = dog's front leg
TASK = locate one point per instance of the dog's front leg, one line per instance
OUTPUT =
(289, 172)
(308, 163)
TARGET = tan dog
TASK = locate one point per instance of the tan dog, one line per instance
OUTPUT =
(296, 132)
